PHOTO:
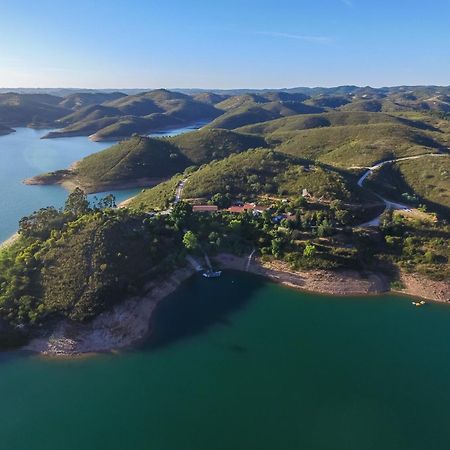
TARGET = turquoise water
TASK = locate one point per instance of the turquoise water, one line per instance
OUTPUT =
(239, 363)
(23, 154)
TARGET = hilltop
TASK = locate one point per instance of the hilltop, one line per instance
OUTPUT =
(143, 161)
(423, 181)
(29, 109)
(140, 113)
(113, 115)
(255, 173)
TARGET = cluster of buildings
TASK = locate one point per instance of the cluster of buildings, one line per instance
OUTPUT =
(236, 209)
(242, 208)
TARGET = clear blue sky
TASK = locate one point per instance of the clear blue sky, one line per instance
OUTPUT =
(223, 43)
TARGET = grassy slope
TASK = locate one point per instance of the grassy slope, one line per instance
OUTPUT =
(361, 145)
(81, 100)
(207, 144)
(428, 178)
(289, 126)
(131, 160)
(250, 113)
(140, 113)
(23, 109)
(139, 159)
(256, 172)
(158, 197)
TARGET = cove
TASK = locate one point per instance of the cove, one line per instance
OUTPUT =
(241, 363)
(24, 154)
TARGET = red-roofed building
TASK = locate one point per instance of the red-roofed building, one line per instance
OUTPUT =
(205, 208)
(247, 207)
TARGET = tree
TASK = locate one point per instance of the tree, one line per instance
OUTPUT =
(181, 214)
(77, 203)
(221, 200)
(310, 250)
(276, 245)
(324, 229)
(190, 240)
(109, 201)
(41, 223)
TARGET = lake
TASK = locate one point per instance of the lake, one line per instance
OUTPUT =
(240, 363)
(23, 154)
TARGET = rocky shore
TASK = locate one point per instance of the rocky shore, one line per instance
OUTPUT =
(125, 325)
(342, 282)
(129, 322)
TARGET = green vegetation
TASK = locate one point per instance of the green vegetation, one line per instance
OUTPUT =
(26, 109)
(206, 145)
(142, 161)
(416, 181)
(261, 171)
(135, 159)
(258, 173)
(416, 246)
(141, 113)
(157, 198)
(255, 113)
(79, 261)
(362, 145)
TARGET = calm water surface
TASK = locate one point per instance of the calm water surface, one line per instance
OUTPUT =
(239, 363)
(233, 363)
(23, 154)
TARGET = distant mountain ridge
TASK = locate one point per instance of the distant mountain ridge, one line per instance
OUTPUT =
(113, 115)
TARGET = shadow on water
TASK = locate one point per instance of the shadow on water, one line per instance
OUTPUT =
(198, 304)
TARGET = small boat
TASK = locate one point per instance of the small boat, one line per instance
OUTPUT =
(212, 274)
(421, 303)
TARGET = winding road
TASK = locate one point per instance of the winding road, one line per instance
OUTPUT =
(388, 204)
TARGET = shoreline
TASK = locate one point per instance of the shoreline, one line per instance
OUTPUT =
(121, 328)
(70, 184)
(339, 283)
(128, 323)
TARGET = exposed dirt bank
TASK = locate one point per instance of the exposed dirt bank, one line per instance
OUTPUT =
(126, 324)
(342, 282)
(423, 287)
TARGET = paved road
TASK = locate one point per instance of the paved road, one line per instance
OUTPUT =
(388, 204)
(179, 190)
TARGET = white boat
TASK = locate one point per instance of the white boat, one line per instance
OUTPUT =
(212, 274)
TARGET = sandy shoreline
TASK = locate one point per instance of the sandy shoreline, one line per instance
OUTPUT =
(128, 323)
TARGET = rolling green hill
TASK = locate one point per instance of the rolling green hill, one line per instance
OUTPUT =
(253, 173)
(137, 161)
(360, 145)
(205, 145)
(79, 265)
(142, 161)
(141, 113)
(289, 126)
(424, 180)
(89, 113)
(25, 109)
(84, 99)
(255, 113)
